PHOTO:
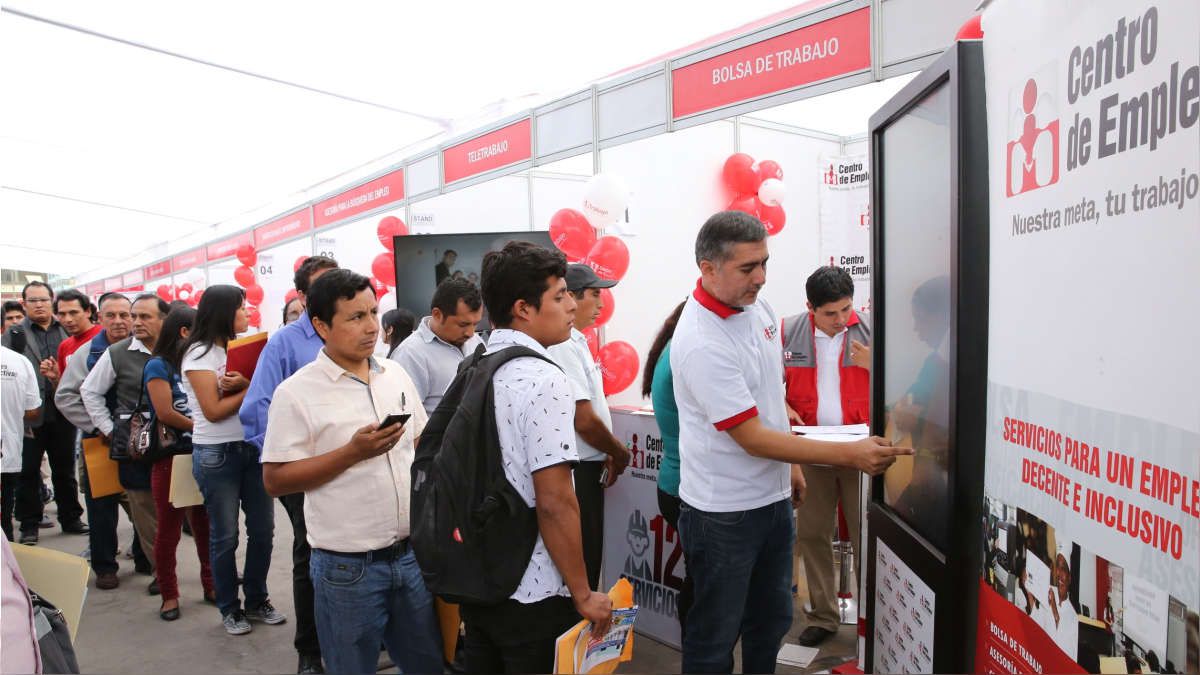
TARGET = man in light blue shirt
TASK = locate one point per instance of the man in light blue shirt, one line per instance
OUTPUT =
(288, 350)
(442, 340)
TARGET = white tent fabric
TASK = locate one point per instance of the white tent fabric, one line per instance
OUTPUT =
(132, 130)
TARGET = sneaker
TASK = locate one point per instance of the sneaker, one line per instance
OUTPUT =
(266, 613)
(235, 623)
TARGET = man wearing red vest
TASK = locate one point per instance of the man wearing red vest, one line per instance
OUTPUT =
(827, 360)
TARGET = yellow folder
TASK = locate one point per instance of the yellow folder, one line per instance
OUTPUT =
(570, 648)
(184, 490)
(102, 471)
(58, 577)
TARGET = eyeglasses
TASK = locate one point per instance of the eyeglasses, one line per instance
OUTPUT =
(37, 301)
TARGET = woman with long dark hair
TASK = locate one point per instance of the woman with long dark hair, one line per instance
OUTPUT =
(163, 388)
(397, 325)
(226, 467)
(658, 385)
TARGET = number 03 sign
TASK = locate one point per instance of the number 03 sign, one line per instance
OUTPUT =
(638, 542)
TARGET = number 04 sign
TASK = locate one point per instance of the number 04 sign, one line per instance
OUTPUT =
(638, 542)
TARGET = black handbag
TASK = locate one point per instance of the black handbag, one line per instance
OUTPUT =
(150, 439)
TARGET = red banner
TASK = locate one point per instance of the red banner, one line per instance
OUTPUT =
(282, 228)
(1008, 641)
(834, 47)
(371, 195)
(132, 278)
(502, 147)
(157, 270)
(186, 261)
(228, 247)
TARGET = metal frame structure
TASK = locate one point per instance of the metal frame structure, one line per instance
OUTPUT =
(906, 36)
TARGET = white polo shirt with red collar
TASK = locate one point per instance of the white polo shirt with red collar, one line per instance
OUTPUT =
(727, 363)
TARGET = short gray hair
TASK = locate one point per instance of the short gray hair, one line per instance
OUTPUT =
(721, 231)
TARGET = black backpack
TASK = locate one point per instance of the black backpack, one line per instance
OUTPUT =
(472, 533)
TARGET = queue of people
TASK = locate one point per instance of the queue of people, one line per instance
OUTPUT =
(331, 431)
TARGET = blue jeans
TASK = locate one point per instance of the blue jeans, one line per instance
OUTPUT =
(229, 475)
(360, 603)
(741, 562)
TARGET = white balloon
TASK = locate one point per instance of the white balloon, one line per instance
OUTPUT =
(387, 301)
(605, 199)
(772, 192)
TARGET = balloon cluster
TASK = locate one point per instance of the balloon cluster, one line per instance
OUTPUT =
(758, 189)
(245, 277)
(185, 292)
(573, 231)
(383, 267)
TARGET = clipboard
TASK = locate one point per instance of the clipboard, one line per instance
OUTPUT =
(101, 470)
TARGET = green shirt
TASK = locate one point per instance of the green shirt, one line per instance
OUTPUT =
(666, 413)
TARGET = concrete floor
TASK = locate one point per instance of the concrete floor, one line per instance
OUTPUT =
(121, 632)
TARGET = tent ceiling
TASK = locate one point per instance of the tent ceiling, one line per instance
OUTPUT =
(129, 125)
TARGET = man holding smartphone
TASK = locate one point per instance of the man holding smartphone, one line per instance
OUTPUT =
(331, 435)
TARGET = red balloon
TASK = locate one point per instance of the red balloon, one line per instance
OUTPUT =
(182, 288)
(384, 268)
(380, 287)
(290, 296)
(390, 226)
(769, 168)
(194, 300)
(244, 276)
(572, 234)
(299, 261)
(971, 30)
(593, 341)
(772, 217)
(745, 204)
(247, 255)
(740, 175)
(618, 366)
(609, 258)
(254, 294)
(164, 292)
(608, 306)
(254, 317)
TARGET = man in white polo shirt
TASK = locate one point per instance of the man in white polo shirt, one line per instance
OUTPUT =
(735, 448)
(21, 402)
(432, 353)
(599, 450)
(324, 439)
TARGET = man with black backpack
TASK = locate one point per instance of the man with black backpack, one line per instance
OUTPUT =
(495, 519)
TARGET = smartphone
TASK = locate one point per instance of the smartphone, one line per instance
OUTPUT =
(604, 477)
(394, 418)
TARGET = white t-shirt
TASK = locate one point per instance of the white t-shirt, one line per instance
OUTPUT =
(727, 366)
(582, 371)
(535, 420)
(205, 432)
(18, 393)
(829, 377)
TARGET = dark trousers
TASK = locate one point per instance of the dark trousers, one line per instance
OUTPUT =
(306, 641)
(742, 565)
(57, 440)
(8, 495)
(668, 506)
(515, 638)
(102, 535)
(590, 494)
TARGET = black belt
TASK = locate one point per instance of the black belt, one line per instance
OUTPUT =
(385, 554)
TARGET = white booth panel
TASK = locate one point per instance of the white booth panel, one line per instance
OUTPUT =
(275, 270)
(633, 107)
(497, 205)
(566, 128)
(916, 28)
(422, 176)
(676, 184)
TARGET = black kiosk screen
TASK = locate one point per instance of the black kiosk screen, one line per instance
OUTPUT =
(916, 190)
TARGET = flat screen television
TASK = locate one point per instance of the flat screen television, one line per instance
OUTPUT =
(425, 260)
